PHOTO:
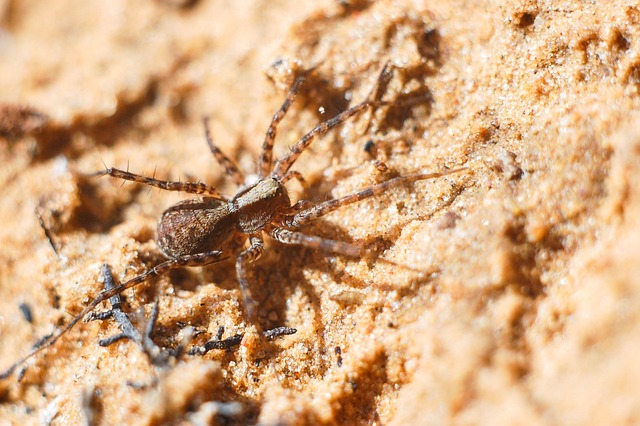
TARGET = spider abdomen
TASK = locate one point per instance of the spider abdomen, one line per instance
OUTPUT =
(195, 226)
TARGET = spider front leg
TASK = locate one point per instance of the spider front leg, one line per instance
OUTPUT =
(249, 255)
(285, 163)
(189, 187)
(309, 215)
(267, 145)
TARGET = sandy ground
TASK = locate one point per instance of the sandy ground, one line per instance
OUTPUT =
(505, 294)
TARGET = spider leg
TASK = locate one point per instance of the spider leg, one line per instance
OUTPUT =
(283, 165)
(190, 187)
(298, 207)
(199, 259)
(293, 174)
(230, 168)
(286, 236)
(251, 254)
(309, 215)
(267, 146)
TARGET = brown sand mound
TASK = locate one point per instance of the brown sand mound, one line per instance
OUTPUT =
(507, 294)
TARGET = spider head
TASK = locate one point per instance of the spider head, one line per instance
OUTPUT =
(258, 205)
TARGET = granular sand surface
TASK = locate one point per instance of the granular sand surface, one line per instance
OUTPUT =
(508, 293)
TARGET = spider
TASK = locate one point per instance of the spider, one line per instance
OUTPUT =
(206, 230)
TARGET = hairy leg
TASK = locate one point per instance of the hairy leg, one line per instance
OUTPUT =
(286, 236)
(264, 166)
(250, 255)
(189, 187)
(309, 215)
(283, 165)
(230, 168)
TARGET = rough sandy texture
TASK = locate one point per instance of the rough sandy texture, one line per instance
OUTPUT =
(509, 293)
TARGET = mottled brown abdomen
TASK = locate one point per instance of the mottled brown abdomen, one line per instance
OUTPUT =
(195, 226)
